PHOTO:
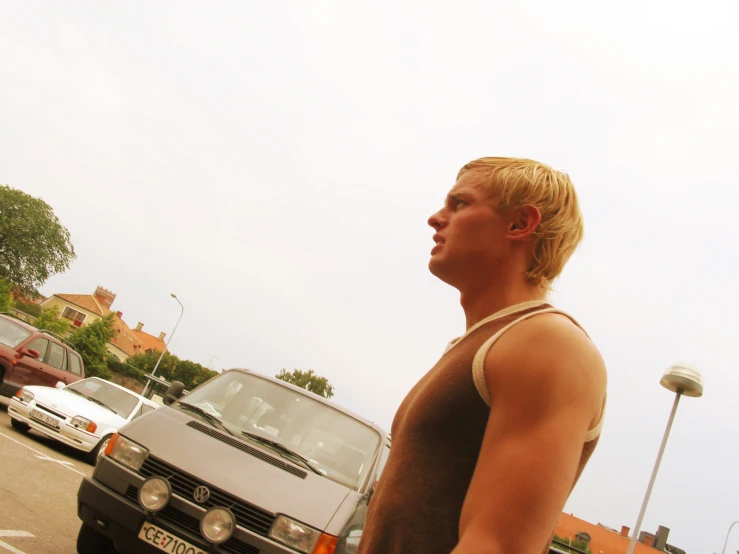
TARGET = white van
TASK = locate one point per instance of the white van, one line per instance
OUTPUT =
(243, 464)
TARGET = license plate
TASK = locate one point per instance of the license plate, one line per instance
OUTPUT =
(158, 537)
(41, 416)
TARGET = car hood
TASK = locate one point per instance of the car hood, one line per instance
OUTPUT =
(71, 404)
(313, 500)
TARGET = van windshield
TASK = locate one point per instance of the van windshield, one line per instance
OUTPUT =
(340, 447)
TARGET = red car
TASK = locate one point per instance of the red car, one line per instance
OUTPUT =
(29, 356)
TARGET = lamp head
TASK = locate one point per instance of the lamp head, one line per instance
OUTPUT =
(684, 379)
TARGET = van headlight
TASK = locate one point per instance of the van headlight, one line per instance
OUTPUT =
(126, 452)
(296, 535)
(218, 525)
(154, 494)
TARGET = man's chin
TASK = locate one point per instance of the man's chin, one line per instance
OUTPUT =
(444, 271)
(437, 268)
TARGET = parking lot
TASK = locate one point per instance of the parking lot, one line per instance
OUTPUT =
(39, 479)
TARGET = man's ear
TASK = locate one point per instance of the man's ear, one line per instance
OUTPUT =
(523, 223)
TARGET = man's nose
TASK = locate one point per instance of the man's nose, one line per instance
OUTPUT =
(437, 220)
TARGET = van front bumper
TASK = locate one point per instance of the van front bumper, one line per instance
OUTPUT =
(106, 502)
(116, 518)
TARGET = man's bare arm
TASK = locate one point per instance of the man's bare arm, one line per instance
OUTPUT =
(547, 383)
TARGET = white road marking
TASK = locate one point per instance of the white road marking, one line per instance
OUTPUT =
(6, 546)
(43, 456)
(49, 459)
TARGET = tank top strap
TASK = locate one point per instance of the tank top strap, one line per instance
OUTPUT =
(478, 363)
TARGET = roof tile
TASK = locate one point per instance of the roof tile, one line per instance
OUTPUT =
(602, 539)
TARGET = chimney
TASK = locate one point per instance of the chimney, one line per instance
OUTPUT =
(660, 539)
(119, 315)
(104, 296)
(647, 538)
(162, 335)
(625, 531)
(139, 326)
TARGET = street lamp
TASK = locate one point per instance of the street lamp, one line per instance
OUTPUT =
(682, 379)
(166, 346)
(727, 537)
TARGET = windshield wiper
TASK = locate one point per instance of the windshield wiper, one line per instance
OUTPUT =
(210, 418)
(96, 401)
(281, 448)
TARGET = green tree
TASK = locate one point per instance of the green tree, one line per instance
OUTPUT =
(308, 380)
(114, 364)
(147, 360)
(28, 308)
(171, 368)
(49, 319)
(192, 374)
(90, 341)
(203, 375)
(578, 545)
(34, 245)
(5, 289)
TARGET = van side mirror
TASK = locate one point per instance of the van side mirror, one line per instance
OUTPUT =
(174, 392)
(60, 385)
(371, 493)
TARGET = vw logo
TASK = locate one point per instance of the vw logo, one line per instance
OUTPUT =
(201, 494)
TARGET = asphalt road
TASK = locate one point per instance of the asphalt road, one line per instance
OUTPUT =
(39, 479)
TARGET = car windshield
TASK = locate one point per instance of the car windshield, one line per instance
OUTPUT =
(12, 334)
(100, 392)
(335, 444)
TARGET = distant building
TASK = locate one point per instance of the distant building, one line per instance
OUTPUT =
(604, 540)
(83, 309)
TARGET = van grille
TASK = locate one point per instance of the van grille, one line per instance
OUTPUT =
(181, 520)
(247, 516)
(232, 441)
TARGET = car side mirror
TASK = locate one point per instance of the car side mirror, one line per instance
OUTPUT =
(60, 384)
(174, 392)
(30, 352)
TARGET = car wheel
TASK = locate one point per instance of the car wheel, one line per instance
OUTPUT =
(99, 450)
(89, 541)
(19, 425)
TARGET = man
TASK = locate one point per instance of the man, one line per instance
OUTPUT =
(490, 442)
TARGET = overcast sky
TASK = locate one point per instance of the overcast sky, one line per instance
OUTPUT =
(274, 165)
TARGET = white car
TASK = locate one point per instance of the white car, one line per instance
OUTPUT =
(83, 414)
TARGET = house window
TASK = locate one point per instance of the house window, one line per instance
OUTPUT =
(74, 316)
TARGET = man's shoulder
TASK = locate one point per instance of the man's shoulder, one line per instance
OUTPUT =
(548, 334)
(551, 347)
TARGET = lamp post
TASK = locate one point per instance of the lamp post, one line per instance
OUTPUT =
(727, 537)
(682, 379)
(166, 345)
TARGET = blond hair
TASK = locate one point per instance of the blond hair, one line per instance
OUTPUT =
(515, 183)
